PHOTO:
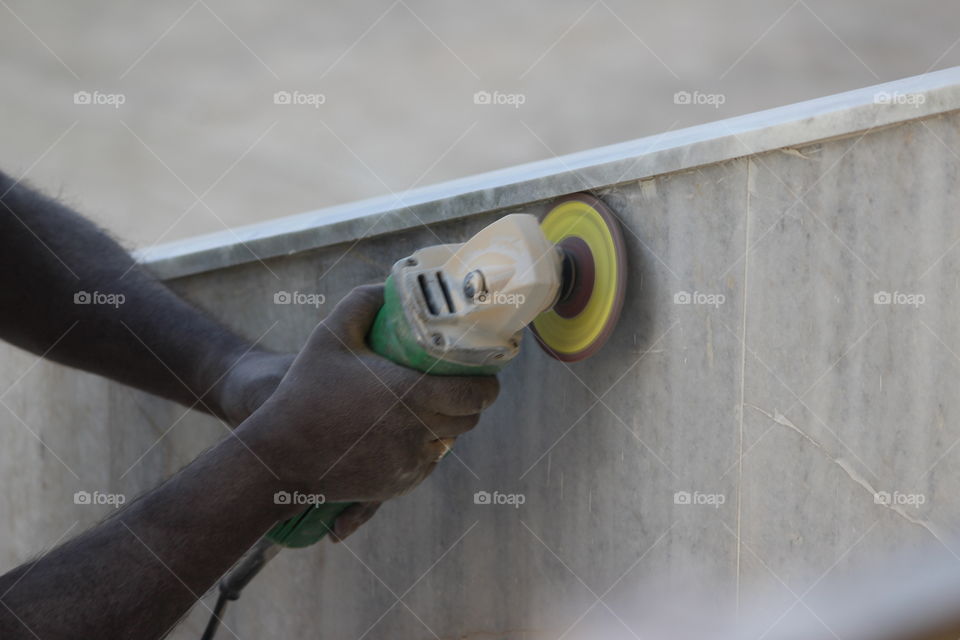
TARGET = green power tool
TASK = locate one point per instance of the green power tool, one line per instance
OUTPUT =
(460, 309)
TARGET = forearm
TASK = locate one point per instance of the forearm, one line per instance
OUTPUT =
(67, 287)
(138, 572)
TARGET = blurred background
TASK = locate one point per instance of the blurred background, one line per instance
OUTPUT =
(165, 120)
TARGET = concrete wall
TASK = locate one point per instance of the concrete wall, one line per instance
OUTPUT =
(792, 400)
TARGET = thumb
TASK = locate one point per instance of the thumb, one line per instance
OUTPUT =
(350, 320)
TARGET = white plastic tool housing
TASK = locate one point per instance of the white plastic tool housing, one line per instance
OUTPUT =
(468, 303)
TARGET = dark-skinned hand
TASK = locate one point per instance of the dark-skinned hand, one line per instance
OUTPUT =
(346, 423)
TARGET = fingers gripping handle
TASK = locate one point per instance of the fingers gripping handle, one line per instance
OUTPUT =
(391, 337)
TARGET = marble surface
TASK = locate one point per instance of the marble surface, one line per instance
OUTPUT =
(837, 115)
(730, 449)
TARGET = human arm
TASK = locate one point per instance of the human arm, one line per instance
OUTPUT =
(344, 423)
(70, 292)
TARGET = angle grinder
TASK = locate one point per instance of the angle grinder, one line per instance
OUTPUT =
(460, 309)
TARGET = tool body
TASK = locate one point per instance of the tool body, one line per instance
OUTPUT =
(460, 309)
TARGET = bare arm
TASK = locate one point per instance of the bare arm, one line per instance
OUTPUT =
(342, 422)
(68, 290)
(136, 574)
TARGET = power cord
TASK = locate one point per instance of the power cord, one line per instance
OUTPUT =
(233, 583)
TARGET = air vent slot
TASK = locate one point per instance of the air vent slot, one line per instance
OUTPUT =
(446, 292)
(428, 295)
(436, 293)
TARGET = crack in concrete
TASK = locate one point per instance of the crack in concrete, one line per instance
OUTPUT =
(854, 475)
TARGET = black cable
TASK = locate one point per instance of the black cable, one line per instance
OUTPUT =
(234, 582)
(214, 623)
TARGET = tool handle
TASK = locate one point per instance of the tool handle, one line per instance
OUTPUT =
(310, 526)
(391, 337)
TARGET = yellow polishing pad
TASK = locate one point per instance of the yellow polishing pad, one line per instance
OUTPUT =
(594, 278)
